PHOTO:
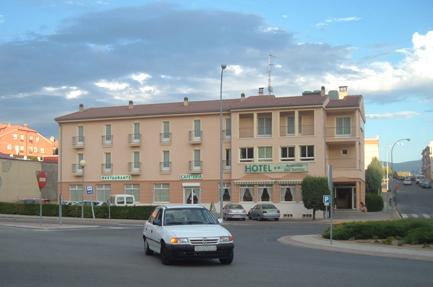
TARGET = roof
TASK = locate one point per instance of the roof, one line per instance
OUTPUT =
(210, 106)
(183, 206)
(347, 102)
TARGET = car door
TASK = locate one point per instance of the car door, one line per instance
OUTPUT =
(153, 231)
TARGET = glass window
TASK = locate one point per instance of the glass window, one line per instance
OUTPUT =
(133, 189)
(165, 129)
(343, 126)
(192, 195)
(136, 159)
(22, 137)
(103, 192)
(265, 193)
(287, 153)
(80, 133)
(291, 123)
(246, 193)
(265, 153)
(15, 136)
(161, 192)
(197, 158)
(264, 124)
(9, 147)
(107, 160)
(76, 192)
(42, 150)
(246, 154)
(286, 192)
(307, 152)
(197, 128)
(228, 157)
(136, 131)
(166, 159)
(226, 192)
(107, 136)
(228, 130)
(80, 157)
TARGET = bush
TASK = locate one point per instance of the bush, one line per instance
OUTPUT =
(412, 231)
(373, 202)
(117, 212)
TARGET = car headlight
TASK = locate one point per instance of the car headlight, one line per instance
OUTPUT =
(177, 240)
(226, 239)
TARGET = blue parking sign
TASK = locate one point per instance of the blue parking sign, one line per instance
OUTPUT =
(89, 189)
(326, 200)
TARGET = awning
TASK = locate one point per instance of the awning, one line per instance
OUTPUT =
(268, 181)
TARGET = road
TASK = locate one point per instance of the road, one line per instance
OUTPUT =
(414, 202)
(113, 256)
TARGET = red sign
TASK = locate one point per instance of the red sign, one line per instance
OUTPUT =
(42, 179)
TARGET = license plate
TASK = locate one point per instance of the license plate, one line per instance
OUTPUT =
(200, 248)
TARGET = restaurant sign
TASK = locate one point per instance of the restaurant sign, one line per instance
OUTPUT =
(191, 176)
(115, 177)
(276, 167)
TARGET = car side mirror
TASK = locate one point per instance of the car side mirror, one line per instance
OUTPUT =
(220, 220)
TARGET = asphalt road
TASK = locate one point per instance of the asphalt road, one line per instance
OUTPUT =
(414, 201)
(113, 256)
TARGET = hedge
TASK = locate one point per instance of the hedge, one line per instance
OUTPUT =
(411, 231)
(117, 212)
(373, 202)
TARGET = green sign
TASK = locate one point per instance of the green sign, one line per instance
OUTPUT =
(116, 177)
(276, 167)
(191, 176)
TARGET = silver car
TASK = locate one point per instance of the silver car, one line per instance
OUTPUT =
(263, 211)
(234, 211)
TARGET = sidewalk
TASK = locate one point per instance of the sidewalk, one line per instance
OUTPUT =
(317, 242)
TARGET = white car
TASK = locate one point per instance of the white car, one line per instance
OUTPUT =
(407, 181)
(186, 231)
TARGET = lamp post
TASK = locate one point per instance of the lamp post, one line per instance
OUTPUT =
(82, 165)
(392, 153)
(221, 141)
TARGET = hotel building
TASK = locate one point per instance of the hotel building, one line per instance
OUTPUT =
(169, 153)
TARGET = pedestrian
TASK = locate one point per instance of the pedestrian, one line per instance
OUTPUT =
(363, 207)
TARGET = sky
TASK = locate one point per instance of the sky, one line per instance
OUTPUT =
(56, 54)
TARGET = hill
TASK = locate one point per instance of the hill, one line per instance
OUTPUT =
(414, 166)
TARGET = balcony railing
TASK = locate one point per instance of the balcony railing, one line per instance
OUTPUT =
(306, 130)
(287, 131)
(107, 168)
(340, 132)
(227, 166)
(195, 166)
(343, 162)
(107, 140)
(195, 137)
(77, 170)
(78, 142)
(134, 139)
(246, 133)
(134, 168)
(165, 166)
(165, 138)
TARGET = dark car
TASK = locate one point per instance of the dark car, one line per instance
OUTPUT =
(425, 183)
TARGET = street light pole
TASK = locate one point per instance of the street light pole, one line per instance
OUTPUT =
(392, 154)
(82, 165)
(221, 142)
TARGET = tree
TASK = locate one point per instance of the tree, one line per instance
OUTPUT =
(313, 189)
(374, 176)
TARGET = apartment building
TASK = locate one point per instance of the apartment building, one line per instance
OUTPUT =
(371, 146)
(427, 160)
(169, 153)
(23, 142)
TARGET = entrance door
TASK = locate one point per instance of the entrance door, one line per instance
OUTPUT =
(191, 195)
(345, 197)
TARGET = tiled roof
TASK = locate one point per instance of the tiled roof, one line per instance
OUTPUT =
(347, 102)
(211, 106)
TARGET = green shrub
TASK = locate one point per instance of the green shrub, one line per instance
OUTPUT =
(373, 202)
(420, 235)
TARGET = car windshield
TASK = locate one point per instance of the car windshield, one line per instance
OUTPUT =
(129, 200)
(235, 206)
(181, 216)
(268, 206)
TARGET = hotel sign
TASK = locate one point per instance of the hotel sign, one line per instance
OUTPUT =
(276, 167)
(191, 176)
(116, 177)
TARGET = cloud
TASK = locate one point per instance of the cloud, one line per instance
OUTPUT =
(392, 116)
(112, 86)
(336, 20)
(140, 77)
(68, 93)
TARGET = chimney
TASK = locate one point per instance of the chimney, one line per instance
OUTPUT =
(26, 125)
(81, 107)
(130, 105)
(322, 91)
(185, 101)
(342, 92)
(261, 90)
(242, 97)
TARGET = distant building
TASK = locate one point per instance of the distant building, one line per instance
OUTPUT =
(371, 146)
(427, 159)
(24, 142)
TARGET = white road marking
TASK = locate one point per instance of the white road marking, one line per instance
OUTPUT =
(404, 215)
(414, 215)
(425, 215)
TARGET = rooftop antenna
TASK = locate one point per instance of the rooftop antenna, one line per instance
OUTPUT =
(270, 65)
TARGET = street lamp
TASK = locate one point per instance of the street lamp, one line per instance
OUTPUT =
(221, 141)
(82, 165)
(392, 155)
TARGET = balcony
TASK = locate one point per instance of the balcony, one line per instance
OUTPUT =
(306, 130)
(195, 137)
(77, 170)
(195, 166)
(227, 134)
(340, 133)
(107, 168)
(78, 142)
(287, 131)
(107, 140)
(343, 162)
(227, 166)
(246, 133)
(165, 138)
(134, 168)
(134, 139)
(165, 166)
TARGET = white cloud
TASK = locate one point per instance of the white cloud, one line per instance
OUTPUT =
(140, 77)
(393, 115)
(111, 86)
(235, 69)
(271, 29)
(69, 92)
(336, 20)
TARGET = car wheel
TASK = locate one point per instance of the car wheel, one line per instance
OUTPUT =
(147, 250)
(165, 259)
(227, 260)
(276, 219)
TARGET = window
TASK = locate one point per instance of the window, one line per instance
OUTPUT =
(287, 153)
(264, 124)
(343, 126)
(37, 139)
(80, 132)
(22, 148)
(226, 192)
(133, 189)
(21, 137)
(107, 135)
(42, 150)
(307, 152)
(197, 159)
(136, 160)
(80, 157)
(107, 164)
(246, 154)
(286, 192)
(76, 192)
(166, 130)
(291, 123)
(345, 151)
(35, 149)
(265, 193)
(31, 138)
(228, 130)
(246, 193)
(265, 153)
(228, 158)
(161, 192)
(103, 192)
(9, 147)
(15, 136)
(165, 159)
(197, 128)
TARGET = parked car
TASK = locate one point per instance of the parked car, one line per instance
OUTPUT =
(94, 202)
(419, 178)
(407, 181)
(234, 211)
(32, 201)
(122, 200)
(186, 231)
(263, 211)
(425, 183)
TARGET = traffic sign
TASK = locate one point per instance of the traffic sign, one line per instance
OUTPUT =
(326, 200)
(42, 179)
(89, 189)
